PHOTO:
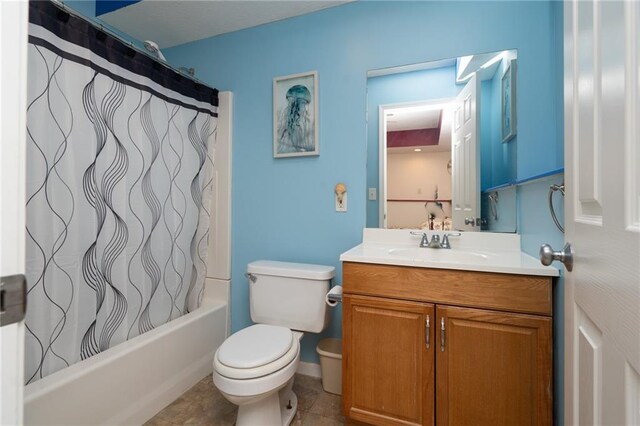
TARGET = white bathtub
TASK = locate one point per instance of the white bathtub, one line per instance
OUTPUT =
(129, 383)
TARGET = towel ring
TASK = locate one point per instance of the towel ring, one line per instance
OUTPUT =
(493, 204)
(553, 188)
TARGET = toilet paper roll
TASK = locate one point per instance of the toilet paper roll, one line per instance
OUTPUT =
(334, 296)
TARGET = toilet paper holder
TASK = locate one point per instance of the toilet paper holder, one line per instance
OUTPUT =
(333, 296)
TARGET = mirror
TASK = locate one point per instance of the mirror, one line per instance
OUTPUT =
(441, 144)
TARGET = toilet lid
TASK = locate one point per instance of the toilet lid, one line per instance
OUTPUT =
(255, 346)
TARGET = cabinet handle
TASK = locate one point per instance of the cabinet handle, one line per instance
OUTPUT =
(427, 333)
(442, 335)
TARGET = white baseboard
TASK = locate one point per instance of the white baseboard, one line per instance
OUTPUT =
(309, 369)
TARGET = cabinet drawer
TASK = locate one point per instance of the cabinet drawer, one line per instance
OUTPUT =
(506, 292)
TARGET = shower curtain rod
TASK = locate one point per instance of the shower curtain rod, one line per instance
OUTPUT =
(113, 34)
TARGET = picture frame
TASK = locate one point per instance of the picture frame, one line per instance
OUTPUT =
(295, 115)
(508, 94)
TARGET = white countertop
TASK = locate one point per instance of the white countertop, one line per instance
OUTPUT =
(472, 251)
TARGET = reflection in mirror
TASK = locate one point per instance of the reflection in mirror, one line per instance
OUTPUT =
(441, 142)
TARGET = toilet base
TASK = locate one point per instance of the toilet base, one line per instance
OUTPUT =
(277, 409)
(287, 414)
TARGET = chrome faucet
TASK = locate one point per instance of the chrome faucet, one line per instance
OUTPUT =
(435, 242)
(445, 239)
(425, 241)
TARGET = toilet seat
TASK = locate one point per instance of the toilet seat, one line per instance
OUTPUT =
(256, 351)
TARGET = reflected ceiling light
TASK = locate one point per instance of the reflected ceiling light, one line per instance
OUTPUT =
(417, 150)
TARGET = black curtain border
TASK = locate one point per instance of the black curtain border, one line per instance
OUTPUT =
(83, 61)
(82, 33)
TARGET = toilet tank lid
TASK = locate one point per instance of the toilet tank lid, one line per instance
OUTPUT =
(291, 270)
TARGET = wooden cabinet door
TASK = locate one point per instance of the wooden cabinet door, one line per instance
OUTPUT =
(493, 368)
(388, 370)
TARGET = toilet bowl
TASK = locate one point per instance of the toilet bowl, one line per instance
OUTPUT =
(255, 367)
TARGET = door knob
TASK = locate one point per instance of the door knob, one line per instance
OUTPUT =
(477, 221)
(547, 255)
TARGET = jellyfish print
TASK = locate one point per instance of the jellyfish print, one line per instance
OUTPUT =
(294, 123)
(294, 117)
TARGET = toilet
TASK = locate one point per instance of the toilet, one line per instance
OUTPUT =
(254, 368)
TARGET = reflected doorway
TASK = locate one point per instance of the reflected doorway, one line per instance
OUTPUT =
(416, 165)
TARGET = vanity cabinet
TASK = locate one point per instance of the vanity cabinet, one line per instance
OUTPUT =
(424, 346)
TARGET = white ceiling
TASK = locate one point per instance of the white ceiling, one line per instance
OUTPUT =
(170, 23)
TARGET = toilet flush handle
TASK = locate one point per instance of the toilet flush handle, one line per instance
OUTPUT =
(251, 277)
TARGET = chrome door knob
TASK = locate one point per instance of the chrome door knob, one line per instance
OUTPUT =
(475, 221)
(548, 255)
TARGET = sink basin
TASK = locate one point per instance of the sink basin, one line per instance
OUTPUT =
(439, 255)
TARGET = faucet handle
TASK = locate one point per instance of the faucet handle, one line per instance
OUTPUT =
(445, 239)
(425, 238)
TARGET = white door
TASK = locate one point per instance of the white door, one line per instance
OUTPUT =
(465, 158)
(13, 88)
(602, 152)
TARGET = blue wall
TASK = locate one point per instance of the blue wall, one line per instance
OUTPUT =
(283, 209)
(498, 160)
(486, 103)
(535, 225)
(439, 83)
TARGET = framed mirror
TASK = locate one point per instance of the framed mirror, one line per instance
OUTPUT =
(437, 154)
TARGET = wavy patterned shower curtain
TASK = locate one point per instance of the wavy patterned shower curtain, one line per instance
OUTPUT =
(118, 189)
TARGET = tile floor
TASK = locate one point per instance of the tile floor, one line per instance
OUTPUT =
(204, 405)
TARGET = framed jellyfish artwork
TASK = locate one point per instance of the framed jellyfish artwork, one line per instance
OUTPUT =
(295, 115)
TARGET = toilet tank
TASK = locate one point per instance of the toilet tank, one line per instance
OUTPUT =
(290, 294)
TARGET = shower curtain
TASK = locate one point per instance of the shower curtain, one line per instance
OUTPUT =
(118, 187)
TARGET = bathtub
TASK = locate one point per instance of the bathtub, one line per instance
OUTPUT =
(129, 383)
